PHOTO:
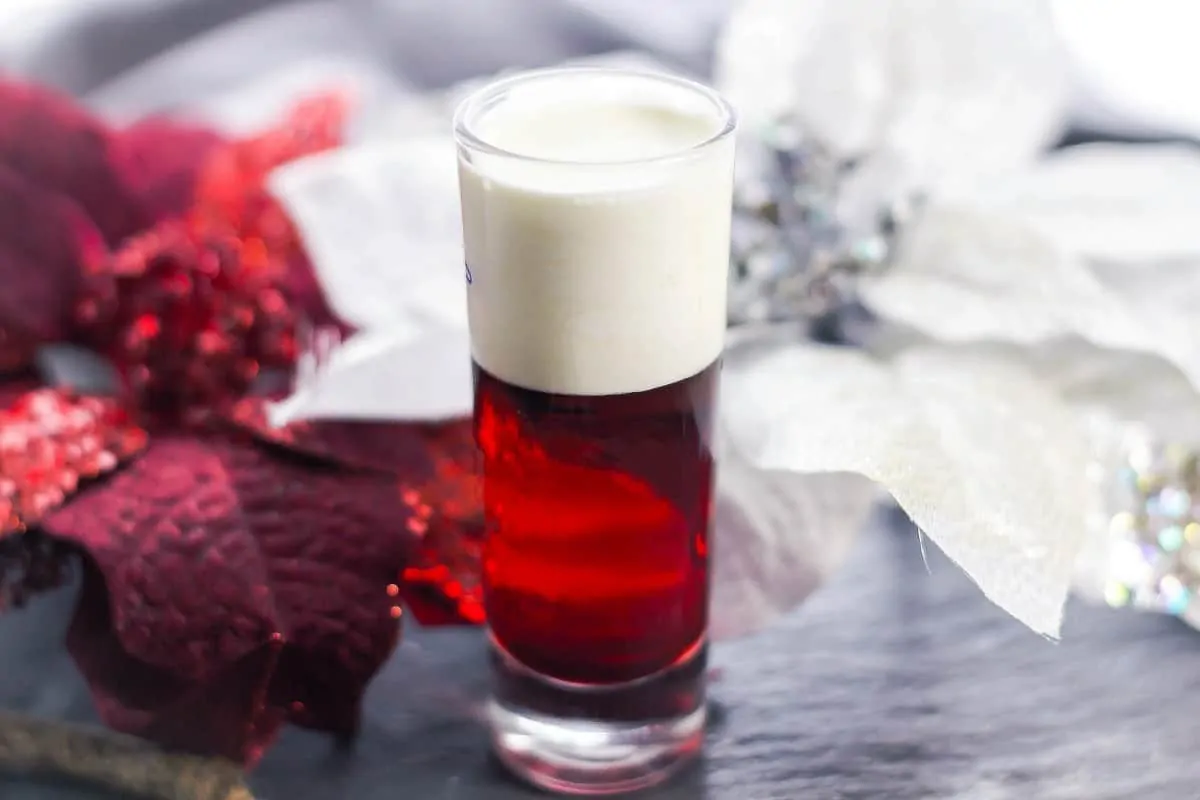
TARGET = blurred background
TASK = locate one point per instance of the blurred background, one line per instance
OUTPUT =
(1131, 59)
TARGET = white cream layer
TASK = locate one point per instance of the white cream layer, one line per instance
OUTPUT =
(601, 266)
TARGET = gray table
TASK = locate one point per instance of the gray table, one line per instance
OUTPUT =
(891, 683)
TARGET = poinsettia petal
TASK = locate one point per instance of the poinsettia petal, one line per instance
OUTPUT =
(334, 545)
(45, 244)
(941, 90)
(174, 513)
(223, 714)
(780, 536)
(392, 447)
(293, 559)
(159, 160)
(381, 223)
(1115, 202)
(985, 458)
(417, 372)
(967, 273)
(58, 146)
(964, 274)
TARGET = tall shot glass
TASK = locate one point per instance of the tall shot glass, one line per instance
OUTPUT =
(596, 211)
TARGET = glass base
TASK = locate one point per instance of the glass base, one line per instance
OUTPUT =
(582, 757)
(597, 740)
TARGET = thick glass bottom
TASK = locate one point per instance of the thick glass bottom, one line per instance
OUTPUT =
(593, 740)
(580, 757)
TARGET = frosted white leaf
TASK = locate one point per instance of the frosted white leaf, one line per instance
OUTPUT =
(381, 224)
(779, 536)
(965, 273)
(1132, 387)
(415, 374)
(1117, 202)
(943, 89)
(983, 456)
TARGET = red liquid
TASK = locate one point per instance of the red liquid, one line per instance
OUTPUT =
(596, 561)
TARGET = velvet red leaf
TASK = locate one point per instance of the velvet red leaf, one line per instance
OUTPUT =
(45, 245)
(159, 161)
(396, 448)
(241, 588)
(57, 145)
(437, 467)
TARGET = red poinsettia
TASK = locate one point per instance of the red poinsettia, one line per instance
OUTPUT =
(235, 576)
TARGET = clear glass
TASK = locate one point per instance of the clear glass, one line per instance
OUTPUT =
(596, 213)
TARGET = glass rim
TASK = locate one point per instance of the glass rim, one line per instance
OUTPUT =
(481, 99)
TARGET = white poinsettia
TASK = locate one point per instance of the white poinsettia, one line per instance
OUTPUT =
(972, 424)
(1095, 244)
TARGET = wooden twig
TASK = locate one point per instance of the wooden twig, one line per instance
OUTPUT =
(54, 749)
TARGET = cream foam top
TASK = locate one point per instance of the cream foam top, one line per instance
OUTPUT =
(596, 212)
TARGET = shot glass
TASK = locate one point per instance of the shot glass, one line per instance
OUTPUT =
(596, 209)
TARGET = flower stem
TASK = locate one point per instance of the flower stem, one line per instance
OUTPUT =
(113, 761)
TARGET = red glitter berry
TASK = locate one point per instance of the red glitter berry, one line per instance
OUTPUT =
(50, 441)
(441, 584)
(190, 319)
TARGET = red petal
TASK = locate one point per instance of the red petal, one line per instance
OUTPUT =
(395, 448)
(45, 245)
(218, 556)
(159, 161)
(437, 465)
(224, 715)
(57, 145)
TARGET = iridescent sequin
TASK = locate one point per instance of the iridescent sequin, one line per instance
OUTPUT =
(1154, 528)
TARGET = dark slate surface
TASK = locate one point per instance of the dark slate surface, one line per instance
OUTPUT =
(891, 683)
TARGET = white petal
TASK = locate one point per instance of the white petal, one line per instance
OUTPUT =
(985, 458)
(948, 89)
(970, 274)
(779, 536)
(1115, 202)
(965, 274)
(414, 374)
(381, 224)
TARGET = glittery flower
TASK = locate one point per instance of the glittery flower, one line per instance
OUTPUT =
(159, 248)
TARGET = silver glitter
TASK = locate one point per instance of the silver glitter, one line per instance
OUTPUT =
(792, 259)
